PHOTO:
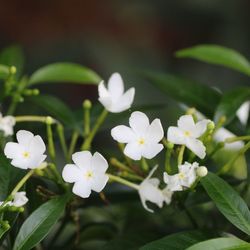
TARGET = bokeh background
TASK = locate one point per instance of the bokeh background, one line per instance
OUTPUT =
(125, 36)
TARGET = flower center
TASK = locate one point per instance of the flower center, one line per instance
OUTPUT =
(141, 141)
(181, 176)
(26, 154)
(187, 133)
(88, 175)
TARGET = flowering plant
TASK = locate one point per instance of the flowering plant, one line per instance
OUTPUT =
(60, 188)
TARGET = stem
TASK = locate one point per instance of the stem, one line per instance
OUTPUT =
(60, 132)
(228, 165)
(180, 156)
(87, 143)
(51, 146)
(73, 142)
(32, 118)
(120, 165)
(144, 164)
(22, 182)
(237, 138)
(86, 117)
(123, 181)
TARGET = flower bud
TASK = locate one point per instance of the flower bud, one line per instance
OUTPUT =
(201, 171)
(49, 120)
(87, 104)
(13, 70)
(170, 145)
(210, 126)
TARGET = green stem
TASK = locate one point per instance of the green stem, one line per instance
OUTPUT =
(180, 156)
(237, 138)
(123, 181)
(60, 132)
(228, 165)
(167, 161)
(87, 143)
(86, 117)
(144, 164)
(120, 165)
(73, 142)
(32, 118)
(51, 146)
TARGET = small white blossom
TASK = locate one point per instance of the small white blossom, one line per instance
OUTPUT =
(88, 173)
(113, 97)
(187, 133)
(243, 112)
(20, 199)
(184, 179)
(149, 191)
(28, 152)
(6, 124)
(142, 138)
(201, 171)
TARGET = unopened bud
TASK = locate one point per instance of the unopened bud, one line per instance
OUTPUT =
(35, 91)
(49, 120)
(13, 70)
(5, 224)
(170, 145)
(201, 171)
(210, 126)
(87, 104)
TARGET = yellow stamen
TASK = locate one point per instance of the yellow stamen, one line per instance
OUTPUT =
(187, 133)
(141, 141)
(88, 174)
(26, 154)
(181, 176)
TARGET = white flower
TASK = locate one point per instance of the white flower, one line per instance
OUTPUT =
(88, 173)
(187, 133)
(142, 138)
(113, 98)
(19, 199)
(149, 191)
(6, 124)
(184, 179)
(28, 152)
(201, 171)
(243, 112)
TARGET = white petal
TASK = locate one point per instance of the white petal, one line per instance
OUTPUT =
(200, 128)
(24, 137)
(99, 163)
(197, 147)
(82, 159)
(36, 145)
(139, 122)
(20, 163)
(115, 85)
(173, 182)
(123, 134)
(167, 194)
(243, 112)
(12, 150)
(133, 151)
(81, 189)
(176, 136)
(107, 103)
(186, 122)
(155, 131)
(20, 199)
(102, 91)
(150, 151)
(143, 201)
(99, 183)
(36, 161)
(71, 173)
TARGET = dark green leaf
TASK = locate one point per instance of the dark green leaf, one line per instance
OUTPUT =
(4, 71)
(189, 92)
(39, 223)
(230, 103)
(13, 56)
(177, 241)
(218, 55)
(228, 201)
(221, 244)
(64, 72)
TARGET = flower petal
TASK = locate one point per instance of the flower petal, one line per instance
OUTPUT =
(176, 136)
(81, 189)
(155, 131)
(151, 150)
(123, 134)
(13, 150)
(197, 147)
(36, 161)
(20, 163)
(243, 112)
(24, 137)
(102, 90)
(139, 122)
(99, 163)
(172, 181)
(99, 182)
(115, 85)
(133, 151)
(82, 159)
(186, 122)
(71, 173)
(200, 128)
(20, 199)
(36, 145)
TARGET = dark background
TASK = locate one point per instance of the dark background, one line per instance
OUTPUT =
(125, 36)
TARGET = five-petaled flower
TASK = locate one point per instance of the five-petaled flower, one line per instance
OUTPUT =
(142, 138)
(187, 133)
(19, 200)
(88, 173)
(6, 124)
(149, 191)
(28, 152)
(113, 98)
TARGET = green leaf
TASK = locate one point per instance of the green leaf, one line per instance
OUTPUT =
(193, 94)
(39, 223)
(230, 103)
(4, 71)
(221, 244)
(64, 72)
(218, 55)
(228, 201)
(56, 108)
(5, 169)
(13, 56)
(177, 241)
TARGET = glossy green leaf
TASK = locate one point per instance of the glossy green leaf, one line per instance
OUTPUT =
(64, 72)
(5, 169)
(218, 55)
(13, 56)
(4, 71)
(228, 201)
(193, 94)
(230, 103)
(221, 244)
(39, 223)
(177, 241)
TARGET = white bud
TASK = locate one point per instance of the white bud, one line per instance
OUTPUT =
(201, 171)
